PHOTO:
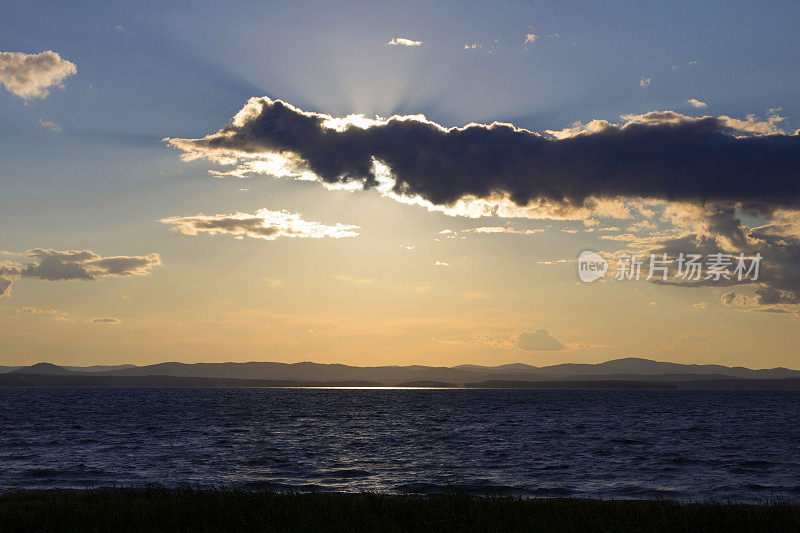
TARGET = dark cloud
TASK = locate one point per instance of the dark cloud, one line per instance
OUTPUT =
(5, 286)
(659, 155)
(105, 320)
(714, 169)
(122, 266)
(772, 296)
(778, 280)
(52, 265)
(55, 265)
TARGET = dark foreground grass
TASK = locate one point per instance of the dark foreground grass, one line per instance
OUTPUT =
(157, 509)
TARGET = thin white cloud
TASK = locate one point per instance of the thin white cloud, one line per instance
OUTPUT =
(530, 38)
(684, 344)
(442, 263)
(755, 126)
(475, 295)
(555, 261)
(62, 316)
(31, 75)
(264, 224)
(400, 41)
(351, 279)
(694, 102)
(502, 229)
(644, 83)
(624, 237)
(50, 125)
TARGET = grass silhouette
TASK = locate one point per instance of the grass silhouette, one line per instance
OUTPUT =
(200, 509)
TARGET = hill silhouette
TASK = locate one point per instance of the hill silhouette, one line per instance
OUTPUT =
(630, 369)
(623, 369)
(43, 368)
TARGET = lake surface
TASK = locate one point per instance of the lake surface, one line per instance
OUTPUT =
(687, 445)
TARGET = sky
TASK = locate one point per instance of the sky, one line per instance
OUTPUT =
(379, 183)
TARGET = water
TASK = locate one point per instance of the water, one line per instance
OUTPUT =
(686, 445)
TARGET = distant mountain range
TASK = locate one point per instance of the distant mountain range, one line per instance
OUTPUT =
(631, 370)
(49, 368)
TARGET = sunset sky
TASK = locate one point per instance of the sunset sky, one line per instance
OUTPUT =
(308, 181)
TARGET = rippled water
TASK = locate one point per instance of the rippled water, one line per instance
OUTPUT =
(737, 445)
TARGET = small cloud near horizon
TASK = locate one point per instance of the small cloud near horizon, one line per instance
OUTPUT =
(539, 341)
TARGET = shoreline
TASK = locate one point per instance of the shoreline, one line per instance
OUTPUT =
(22, 380)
